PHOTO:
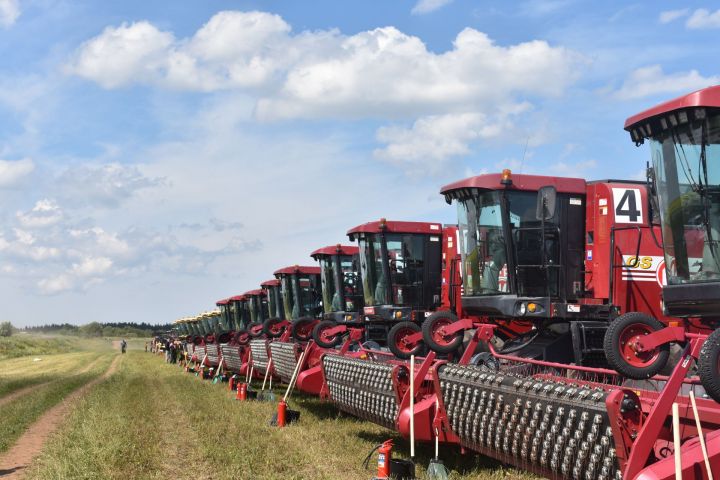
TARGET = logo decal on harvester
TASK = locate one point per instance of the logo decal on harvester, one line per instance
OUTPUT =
(646, 269)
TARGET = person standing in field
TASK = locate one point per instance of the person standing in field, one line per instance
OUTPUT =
(123, 345)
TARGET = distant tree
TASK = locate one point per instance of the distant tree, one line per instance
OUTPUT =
(6, 329)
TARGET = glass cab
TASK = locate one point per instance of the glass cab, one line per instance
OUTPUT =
(257, 306)
(684, 138)
(300, 291)
(273, 297)
(518, 243)
(400, 267)
(340, 281)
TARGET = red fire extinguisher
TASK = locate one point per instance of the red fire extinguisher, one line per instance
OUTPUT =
(242, 392)
(384, 458)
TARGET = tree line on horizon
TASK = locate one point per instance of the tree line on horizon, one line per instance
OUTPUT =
(97, 329)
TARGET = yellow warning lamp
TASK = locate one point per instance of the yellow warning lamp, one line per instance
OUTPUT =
(506, 177)
(531, 307)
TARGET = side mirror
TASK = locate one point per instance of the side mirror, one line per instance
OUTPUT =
(545, 209)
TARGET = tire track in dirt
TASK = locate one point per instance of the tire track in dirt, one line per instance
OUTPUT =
(21, 392)
(30, 444)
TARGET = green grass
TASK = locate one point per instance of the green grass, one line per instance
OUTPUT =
(21, 345)
(151, 420)
(18, 414)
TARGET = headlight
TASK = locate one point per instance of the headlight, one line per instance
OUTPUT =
(523, 308)
(398, 315)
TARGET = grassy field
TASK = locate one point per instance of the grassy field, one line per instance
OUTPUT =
(151, 420)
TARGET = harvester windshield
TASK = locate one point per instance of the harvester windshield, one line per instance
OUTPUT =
(686, 161)
(300, 291)
(392, 271)
(496, 225)
(339, 279)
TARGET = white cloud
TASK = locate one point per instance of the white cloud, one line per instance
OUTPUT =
(9, 12)
(431, 141)
(44, 214)
(702, 18)
(325, 73)
(92, 266)
(122, 55)
(55, 284)
(12, 172)
(672, 15)
(107, 185)
(652, 80)
(427, 6)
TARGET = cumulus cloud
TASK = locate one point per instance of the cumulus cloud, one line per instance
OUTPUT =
(431, 141)
(12, 172)
(427, 6)
(672, 15)
(325, 73)
(57, 253)
(652, 80)
(106, 185)
(9, 12)
(44, 214)
(703, 19)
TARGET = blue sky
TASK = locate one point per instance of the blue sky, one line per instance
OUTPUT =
(158, 156)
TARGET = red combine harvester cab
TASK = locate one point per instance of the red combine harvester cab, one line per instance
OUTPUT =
(255, 310)
(300, 288)
(403, 272)
(551, 261)
(684, 138)
(273, 294)
(341, 293)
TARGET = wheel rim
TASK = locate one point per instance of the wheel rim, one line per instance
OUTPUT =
(437, 335)
(243, 338)
(303, 330)
(401, 344)
(276, 329)
(325, 337)
(628, 343)
(256, 330)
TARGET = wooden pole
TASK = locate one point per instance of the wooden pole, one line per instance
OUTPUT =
(701, 436)
(676, 441)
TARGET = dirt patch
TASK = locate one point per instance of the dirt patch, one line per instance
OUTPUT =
(30, 444)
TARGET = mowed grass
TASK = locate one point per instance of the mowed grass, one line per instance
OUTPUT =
(152, 420)
(21, 345)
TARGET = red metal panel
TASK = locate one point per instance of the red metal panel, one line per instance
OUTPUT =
(298, 269)
(254, 293)
(532, 183)
(707, 97)
(271, 283)
(397, 227)
(333, 250)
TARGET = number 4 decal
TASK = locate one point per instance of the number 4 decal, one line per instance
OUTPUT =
(628, 206)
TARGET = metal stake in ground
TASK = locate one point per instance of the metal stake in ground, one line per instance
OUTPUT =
(412, 407)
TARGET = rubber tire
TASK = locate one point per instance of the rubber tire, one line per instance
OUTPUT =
(298, 324)
(251, 327)
(708, 368)
(242, 337)
(393, 333)
(616, 359)
(429, 326)
(322, 325)
(267, 327)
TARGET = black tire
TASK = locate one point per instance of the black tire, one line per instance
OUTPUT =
(708, 368)
(324, 341)
(394, 340)
(620, 355)
(302, 329)
(432, 340)
(255, 332)
(242, 337)
(269, 327)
